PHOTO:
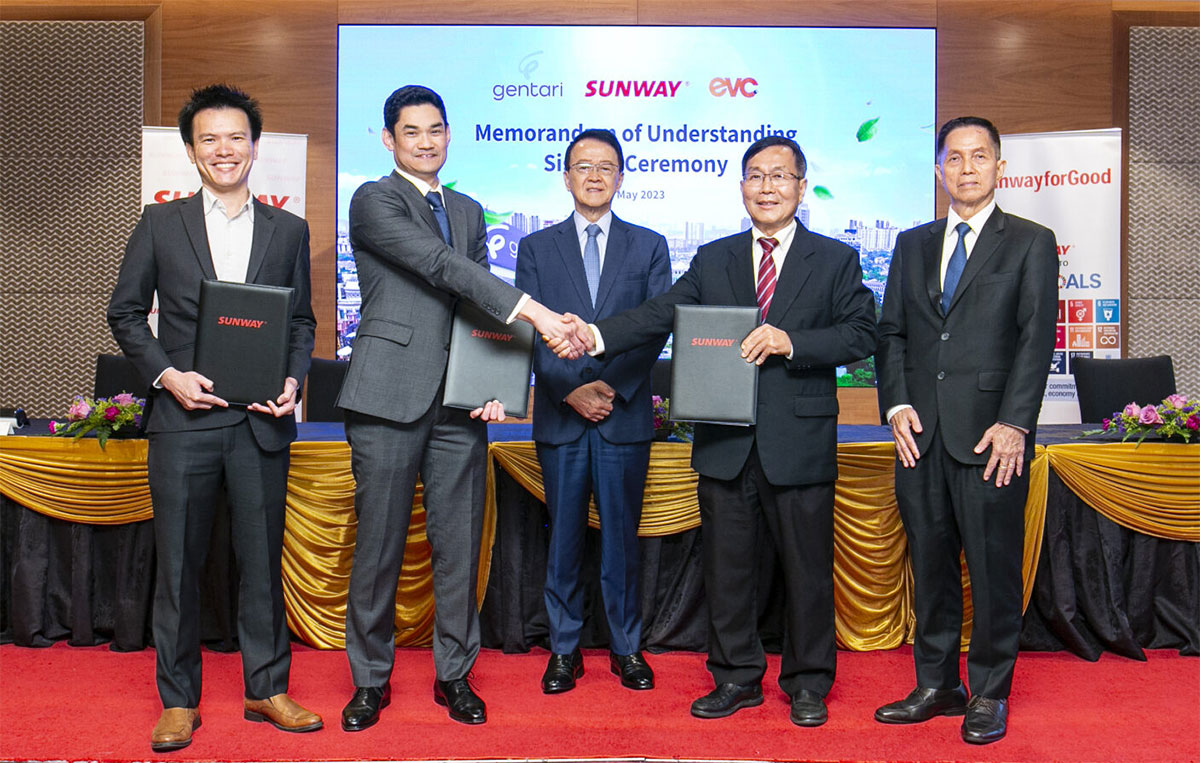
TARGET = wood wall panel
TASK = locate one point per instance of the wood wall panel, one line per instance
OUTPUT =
(284, 54)
(848, 13)
(487, 12)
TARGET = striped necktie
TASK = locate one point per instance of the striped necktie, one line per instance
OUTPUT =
(766, 277)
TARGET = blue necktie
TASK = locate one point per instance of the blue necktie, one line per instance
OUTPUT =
(591, 260)
(439, 212)
(954, 269)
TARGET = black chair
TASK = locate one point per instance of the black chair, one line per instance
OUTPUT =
(1107, 385)
(116, 374)
(323, 385)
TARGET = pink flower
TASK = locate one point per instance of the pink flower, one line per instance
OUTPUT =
(122, 399)
(1176, 401)
(1149, 415)
(54, 426)
(1193, 422)
(1133, 409)
(112, 412)
(1106, 424)
(79, 410)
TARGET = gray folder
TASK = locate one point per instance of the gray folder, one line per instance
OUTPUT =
(710, 380)
(489, 360)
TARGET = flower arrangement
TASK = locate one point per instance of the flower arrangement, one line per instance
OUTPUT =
(681, 430)
(101, 415)
(1176, 417)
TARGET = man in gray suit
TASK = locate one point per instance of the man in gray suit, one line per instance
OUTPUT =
(419, 248)
(199, 444)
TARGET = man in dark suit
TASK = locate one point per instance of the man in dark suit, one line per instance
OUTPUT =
(592, 419)
(419, 248)
(816, 315)
(966, 338)
(198, 443)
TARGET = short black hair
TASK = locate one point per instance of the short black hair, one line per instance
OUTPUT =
(604, 136)
(958, 122)
(762, 144)
(410, 95)
(219, 97)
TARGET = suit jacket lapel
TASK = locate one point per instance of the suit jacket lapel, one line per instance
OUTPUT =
(264, 228)
(192, 211)
(931, 256)
(986, 245)
(615, 252)
(567, 244)
(418, 202)
(796, 270)
(741, 270)
(458, 221)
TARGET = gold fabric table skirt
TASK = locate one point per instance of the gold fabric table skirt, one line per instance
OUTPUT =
(1153, 488)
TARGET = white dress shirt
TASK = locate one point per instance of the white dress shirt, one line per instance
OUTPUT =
(581, 225)
(229, 237)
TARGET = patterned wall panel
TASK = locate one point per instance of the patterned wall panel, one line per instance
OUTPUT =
(1164, 198)
(70, 159)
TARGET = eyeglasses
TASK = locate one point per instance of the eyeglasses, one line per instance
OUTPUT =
(604, 170)
(756, 179)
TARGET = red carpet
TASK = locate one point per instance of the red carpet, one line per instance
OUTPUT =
(66, 703)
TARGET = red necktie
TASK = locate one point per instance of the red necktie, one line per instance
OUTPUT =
(766, 277)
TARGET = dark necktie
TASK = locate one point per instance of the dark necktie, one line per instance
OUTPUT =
(439, 213)
(591, 260)
(766, 277)
(954, 269)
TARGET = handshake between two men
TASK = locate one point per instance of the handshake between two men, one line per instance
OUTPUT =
(573, 338)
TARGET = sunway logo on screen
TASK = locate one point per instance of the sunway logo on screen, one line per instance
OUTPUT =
(610, 88)
(167, 195)
(746, 87)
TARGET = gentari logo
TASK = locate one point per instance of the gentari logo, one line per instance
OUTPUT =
(607, 88)
(747, 87)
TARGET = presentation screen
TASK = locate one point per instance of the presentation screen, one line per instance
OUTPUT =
(685, 102)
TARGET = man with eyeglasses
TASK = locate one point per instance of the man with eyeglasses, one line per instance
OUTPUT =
(816, 314)
(593, 420)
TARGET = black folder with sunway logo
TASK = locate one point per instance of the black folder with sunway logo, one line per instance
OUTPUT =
(710, 380)
(242, 339)
(489, 360)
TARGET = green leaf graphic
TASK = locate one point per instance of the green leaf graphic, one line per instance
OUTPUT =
(450, 185)
(821, 192)
(492, 218)
(866, 130)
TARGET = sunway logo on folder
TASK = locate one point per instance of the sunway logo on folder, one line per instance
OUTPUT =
(226, 320)
(495, 336)
(706, 341)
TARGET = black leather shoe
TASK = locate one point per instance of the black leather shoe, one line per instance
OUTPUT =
(464, 705)
(922, 704)
(561, 672)
(808, 709)
(986, 721)
(632, 668)
(363, 710)
(727, 699)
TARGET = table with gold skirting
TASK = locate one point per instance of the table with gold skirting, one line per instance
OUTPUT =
(1151, 492)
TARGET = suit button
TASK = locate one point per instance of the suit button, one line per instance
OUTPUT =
(945, 336)
(941, 375)
(588, 373)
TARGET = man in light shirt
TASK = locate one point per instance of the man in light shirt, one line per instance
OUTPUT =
(199, 444)
(815, 315)
(966, 338)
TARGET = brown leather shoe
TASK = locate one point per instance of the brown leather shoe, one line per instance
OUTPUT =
(282, 712)
(174, 728)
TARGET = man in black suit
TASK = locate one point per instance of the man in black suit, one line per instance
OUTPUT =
(198, 443)
(593, 420)
(419, 248)
(966, 338)
(816, 315)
